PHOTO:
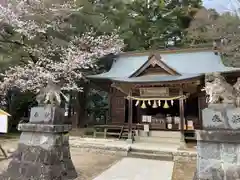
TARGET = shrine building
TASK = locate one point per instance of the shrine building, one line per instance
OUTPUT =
(160, 93)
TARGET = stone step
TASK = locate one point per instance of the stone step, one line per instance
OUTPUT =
(150, 151)
(162, 134)
(158, 140)
(150, 156)
(166, 134)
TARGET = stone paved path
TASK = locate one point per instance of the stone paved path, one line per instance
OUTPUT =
(138, 169)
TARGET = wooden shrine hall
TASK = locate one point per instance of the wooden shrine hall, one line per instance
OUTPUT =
(159, 93)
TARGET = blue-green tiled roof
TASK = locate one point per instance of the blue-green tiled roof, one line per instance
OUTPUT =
(124, 67)
(186, 63)
(195, 62)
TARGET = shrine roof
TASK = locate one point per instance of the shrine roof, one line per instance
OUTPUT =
(158, 78)
(187, 63)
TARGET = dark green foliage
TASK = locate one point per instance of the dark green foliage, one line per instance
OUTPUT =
(97, 103)
(19, 105)
(149, 25)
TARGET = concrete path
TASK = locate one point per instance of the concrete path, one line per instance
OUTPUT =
(138, 169)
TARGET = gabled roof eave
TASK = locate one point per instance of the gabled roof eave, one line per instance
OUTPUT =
(159, 62)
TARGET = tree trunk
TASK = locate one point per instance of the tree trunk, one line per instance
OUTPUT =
(70, 104)
(81, 103)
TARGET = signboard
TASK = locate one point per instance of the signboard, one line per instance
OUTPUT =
(149, 119)
(3, 123)
(146, 118)
(155, 91)
(146, 128)
(190, 125)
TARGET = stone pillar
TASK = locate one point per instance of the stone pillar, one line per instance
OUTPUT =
(218, 144)
(43, 150)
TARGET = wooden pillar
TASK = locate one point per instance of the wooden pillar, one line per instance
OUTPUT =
(110, 95)
(182, 119)
(199, 123)
(130, 115)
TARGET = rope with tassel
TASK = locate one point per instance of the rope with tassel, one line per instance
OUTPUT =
(157, 101)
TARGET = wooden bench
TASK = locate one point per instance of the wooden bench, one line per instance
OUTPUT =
(125, 132)
(115, 130)
(121, 131)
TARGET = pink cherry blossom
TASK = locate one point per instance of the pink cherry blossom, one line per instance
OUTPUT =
(33, 18)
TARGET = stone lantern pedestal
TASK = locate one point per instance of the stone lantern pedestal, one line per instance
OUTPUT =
(219, 144)
(43, 150)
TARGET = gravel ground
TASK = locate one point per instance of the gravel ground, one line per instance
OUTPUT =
(91, 164)
(87, 164)
(183, 170)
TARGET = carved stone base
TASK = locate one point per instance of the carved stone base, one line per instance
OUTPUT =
(218, 155)
(41, 156)
(218, 145)
(219, 173)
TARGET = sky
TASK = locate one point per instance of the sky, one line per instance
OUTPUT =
(222, 5)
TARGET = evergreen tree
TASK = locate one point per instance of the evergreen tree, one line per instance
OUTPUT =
(149, 24)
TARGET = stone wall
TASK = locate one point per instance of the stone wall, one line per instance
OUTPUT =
(219, 144)
(219, 160)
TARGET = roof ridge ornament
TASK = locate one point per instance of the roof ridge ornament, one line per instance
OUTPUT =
(155, 61)
(218, 90)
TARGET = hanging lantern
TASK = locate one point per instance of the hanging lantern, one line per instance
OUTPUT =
(137, 103)
(143, 105)
(149, 102)
(159, 103)
(155, 104)
(165, 106)
(172, 102)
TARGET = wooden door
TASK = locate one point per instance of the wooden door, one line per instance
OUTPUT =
(117, 107)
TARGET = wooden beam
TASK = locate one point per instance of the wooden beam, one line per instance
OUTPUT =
(125, 88)
(168, 84)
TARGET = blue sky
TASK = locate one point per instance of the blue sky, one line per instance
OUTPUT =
(222, 5)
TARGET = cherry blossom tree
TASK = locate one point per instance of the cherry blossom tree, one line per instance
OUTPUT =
(52, 47)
